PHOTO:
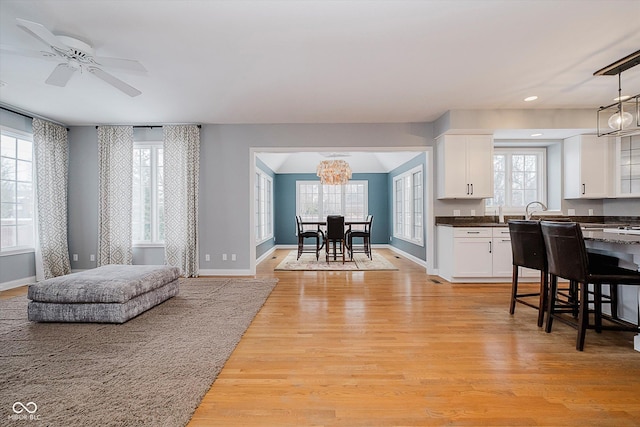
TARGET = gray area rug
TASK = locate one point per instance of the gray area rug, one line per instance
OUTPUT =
(152, 370)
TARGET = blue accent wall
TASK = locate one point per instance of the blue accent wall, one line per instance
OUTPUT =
(405, 246)
(285, 205)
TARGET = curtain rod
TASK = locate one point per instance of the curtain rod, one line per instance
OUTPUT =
(30, 117)
(151, 126)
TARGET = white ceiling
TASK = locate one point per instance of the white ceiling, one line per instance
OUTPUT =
(322, 61)
(359, 61)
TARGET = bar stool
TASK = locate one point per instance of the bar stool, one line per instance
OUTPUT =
(527, 247)
(568, 258)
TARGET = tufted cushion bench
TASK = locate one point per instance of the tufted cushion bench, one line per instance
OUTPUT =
(107, 294)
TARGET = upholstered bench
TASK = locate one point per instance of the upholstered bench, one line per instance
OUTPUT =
(107, 294)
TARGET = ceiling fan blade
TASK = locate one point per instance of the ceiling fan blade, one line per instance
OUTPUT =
(11, 50)
(40, 32)
(115, 82)
(61, 75)
(121, 63)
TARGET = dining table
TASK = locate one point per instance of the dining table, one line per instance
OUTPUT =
(347, 225)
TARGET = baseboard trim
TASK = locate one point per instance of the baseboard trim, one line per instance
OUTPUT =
(17, 283)
(225, 272)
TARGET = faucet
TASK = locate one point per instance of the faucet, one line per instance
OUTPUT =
(528, 214)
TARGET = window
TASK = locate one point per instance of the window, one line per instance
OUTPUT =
(148, 193)
(408, 203)
(16, 190)
(315, 201)
(518, 178)
(263, 206)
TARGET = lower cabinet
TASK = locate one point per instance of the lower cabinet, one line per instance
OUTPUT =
(476, 255)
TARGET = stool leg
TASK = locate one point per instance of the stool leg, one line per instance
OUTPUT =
(514, 289)
(583, 316)
(543, 297)
(597, 306)
(553, 289)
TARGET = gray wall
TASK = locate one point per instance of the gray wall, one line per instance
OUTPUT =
(226, 171)
(226, 167)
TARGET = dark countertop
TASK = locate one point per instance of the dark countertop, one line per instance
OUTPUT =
(609, 237)
(492, 221)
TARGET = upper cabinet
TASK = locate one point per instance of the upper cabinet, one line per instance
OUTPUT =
(587, 173)
(465, 166)
(628, 166)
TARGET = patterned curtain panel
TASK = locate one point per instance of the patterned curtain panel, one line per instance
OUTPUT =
(51, 154)
(181, 170)
(115, 161)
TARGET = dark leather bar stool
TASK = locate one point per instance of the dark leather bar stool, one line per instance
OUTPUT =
(527, 247)
(316, 235)
(568, 258)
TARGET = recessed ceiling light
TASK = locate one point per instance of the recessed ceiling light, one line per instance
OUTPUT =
(536, 134)
(530, 98)
(621, 98)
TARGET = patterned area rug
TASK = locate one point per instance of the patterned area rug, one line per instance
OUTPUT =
(307, 262)
(151, 371)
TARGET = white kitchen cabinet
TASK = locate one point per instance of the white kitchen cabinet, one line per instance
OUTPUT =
(464, 252)
(476, 255)
(465, 166)
(501, 252)
(587, 174)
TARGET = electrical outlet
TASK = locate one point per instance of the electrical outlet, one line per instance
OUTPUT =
(590, 212)
(224, 257)
(571, 212)
(207, 257)
(473, 212)
(233, 257)
(92, 257)
(75, 257)
(456, 212)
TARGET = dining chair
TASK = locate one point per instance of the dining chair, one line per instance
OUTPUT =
(364, 234)
(528, 250)
(335, 236)
(303, 234)
(567, 258)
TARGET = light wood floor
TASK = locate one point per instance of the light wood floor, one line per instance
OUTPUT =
(396, 348)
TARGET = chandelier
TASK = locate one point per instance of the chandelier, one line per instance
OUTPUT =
(334, 172)
(621, 118)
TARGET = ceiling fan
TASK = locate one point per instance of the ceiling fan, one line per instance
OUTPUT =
(77, 56)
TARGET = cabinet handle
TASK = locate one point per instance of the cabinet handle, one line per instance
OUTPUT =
(506, 240)
(490, 247)
(472, 189)
(473, 232)
(467, 189)
(584, 188)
